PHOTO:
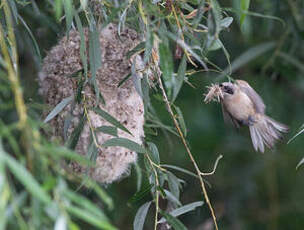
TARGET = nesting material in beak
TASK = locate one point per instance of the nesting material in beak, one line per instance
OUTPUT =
(215, 93)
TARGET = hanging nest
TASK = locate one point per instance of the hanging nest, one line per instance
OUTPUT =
(123, 103)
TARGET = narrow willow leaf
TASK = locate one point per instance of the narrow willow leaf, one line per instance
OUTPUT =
(92, 152)
(124, 142)
(25, 178)
(110, 119)
(226, 22)
(85, 203)
(148, 45)
(248, 56)
(244, 7)
(181, 120)
(297, 134)
(166, 66)
(138, 176)
(153, 152)
(4, 189)
(61, 223)
(63, 152)
(83, 56)
(292, 60)
(184, 209)
(174, 222)
(124, 80)
(179, 169)
(140, 194)
(179, 80)
(171, 197)
(214, 19)
(18, 201)
(173, 183)
(31, 36)
(136, 79)
(89, 218)
(58, 108)
(137, 49)
(140, 216)
(199, 14)
(107, 130)
(69, 11)
(94, 50)
(101, 193)
(300, 163)
(73, 139)
(58, 9)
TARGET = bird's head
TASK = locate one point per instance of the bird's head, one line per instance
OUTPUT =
(227, 88)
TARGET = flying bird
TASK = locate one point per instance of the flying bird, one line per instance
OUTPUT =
(242, 106)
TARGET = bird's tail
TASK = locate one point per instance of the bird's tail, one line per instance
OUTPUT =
(266, 131)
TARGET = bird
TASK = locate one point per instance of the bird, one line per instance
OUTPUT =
(242, 106)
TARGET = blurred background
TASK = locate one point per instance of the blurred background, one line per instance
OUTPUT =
(249, 190)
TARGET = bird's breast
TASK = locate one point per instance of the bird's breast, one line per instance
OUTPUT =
(239, 106)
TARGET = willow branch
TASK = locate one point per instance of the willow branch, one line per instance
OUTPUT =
(198, 172)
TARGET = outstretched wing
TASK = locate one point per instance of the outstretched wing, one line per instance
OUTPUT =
(228, 118)
(254, 97)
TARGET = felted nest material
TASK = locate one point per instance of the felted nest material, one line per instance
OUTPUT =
(214, 93)
(123, 103)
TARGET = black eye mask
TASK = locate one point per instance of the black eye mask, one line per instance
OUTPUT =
(227, 89)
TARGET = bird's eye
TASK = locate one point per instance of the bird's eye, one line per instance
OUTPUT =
(221, 85)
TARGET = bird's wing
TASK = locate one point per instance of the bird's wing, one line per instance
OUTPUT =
(228, 118)
(254, 97)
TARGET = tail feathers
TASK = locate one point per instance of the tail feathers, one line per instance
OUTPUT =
(266, 131)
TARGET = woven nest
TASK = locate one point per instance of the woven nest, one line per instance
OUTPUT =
(122, 102)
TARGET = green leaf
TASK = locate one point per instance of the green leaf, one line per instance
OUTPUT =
(138, 176)
(166, 66)
(85, 203)
(63, 152)
(184, 209)
(58, 9)
(179, 80)
(101, 193)
(89, 218)
(61, 223)
(111, 130)
(181, 120)
(297, 134)
(148, 45)
(226, 22)
(94, 50)
(124, 142)
(58, 108)
(32, 37)
(137, 49)
(69, 11)
(173, 184)
(174, 222)
(153, 152)
(140, 216)
(73, 139)
(83, 49)
(110, 119)
(244, 7)
(248, 56)
(140, 194)
(292, 60)
(179, 169)
(172, 197)
(300, 163)
(25, 178)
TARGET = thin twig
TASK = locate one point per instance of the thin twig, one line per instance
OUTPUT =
(214, 167)
(198, 172)
(156, 190)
